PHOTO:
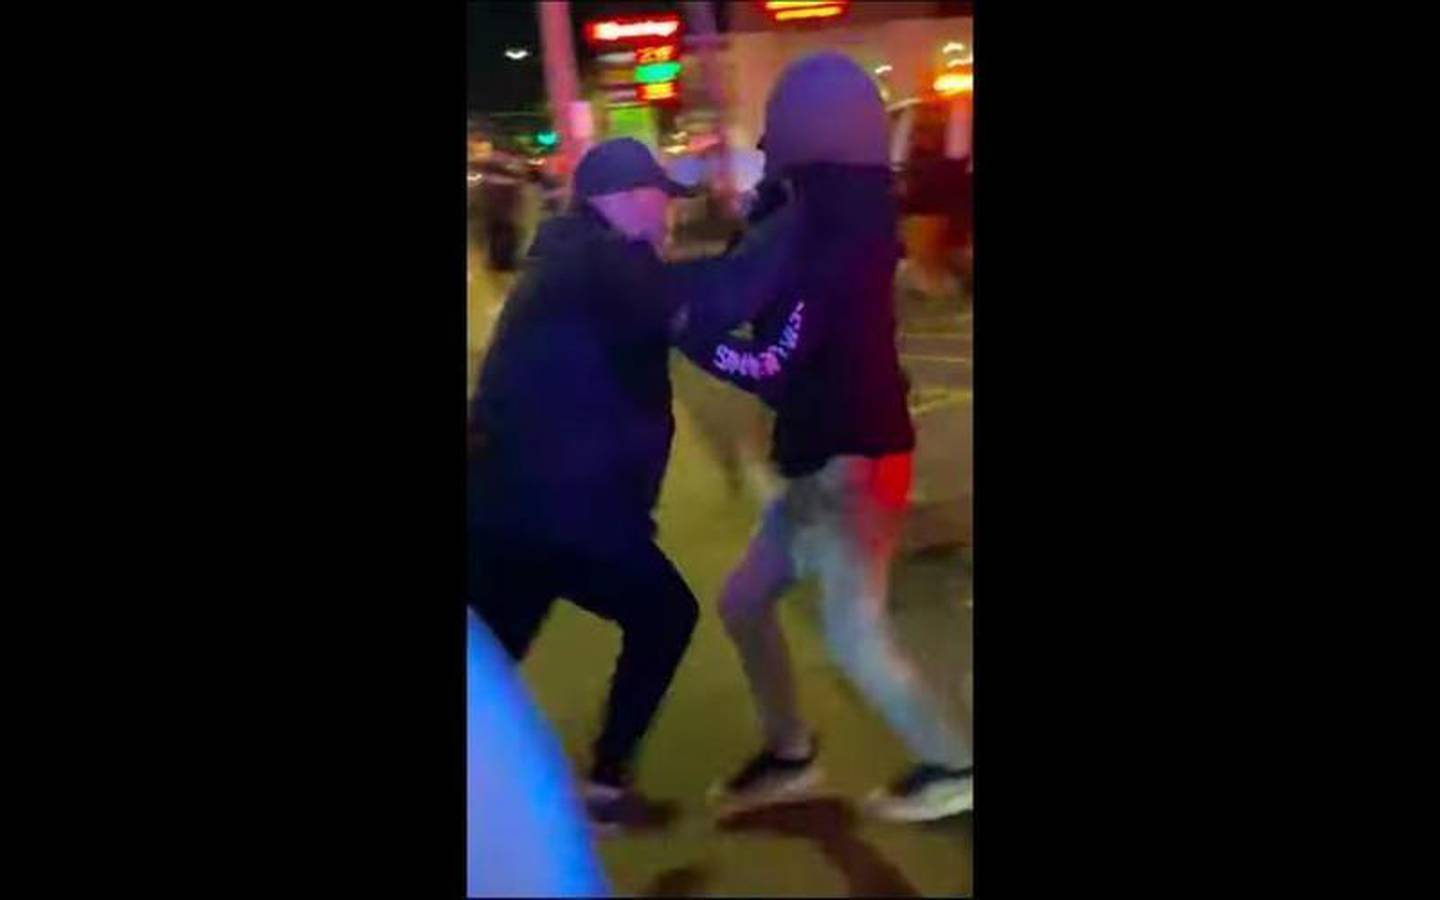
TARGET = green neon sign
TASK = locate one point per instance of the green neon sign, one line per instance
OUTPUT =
(654, 73)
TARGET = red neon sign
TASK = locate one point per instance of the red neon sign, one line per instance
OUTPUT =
(634, 29)
(658, 54)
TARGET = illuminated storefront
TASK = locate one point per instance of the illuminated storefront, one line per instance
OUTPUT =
(913, 50)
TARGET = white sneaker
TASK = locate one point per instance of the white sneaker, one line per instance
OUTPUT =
(924, 794)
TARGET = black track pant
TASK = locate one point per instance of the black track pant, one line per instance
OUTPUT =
(513, 584)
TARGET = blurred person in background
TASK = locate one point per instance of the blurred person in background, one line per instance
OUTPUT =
(934, 206)
(570, 434)
(500, 199)
(550, 187)
(824, 357)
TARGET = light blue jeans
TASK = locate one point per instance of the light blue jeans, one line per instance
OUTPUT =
(841, 525)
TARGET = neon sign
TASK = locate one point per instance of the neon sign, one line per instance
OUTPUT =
(663, 53)
(665, 90)
(656, 72)
(790, 10)
(612, 31)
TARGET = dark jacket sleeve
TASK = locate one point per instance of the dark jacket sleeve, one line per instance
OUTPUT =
(713, 296)
(764, 364)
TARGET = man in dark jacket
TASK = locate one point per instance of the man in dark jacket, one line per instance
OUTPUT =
(570, 433)
(824, 358)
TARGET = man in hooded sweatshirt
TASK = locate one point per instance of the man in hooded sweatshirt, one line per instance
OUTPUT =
(570, 432)
(823, 356)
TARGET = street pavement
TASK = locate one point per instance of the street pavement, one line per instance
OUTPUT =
(711, 498)
(936, 353)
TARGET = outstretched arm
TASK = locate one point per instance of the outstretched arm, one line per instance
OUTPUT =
(764, 364)
(713, 296)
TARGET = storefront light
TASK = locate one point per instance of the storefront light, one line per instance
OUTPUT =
(817, 12)
(790, 10)
(950, 84)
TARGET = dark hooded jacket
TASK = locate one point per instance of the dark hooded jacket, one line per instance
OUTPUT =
(823, 353)
(570, 428)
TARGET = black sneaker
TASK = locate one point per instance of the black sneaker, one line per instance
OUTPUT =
(767, 779)
(605, 806)
(924, 794)
(614, 808)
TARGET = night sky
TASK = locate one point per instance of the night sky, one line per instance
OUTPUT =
(497, 84)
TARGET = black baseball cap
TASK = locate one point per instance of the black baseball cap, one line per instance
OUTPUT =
(622, 164)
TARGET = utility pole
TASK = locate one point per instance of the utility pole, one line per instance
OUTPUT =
(562, 84)
(700, 15)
